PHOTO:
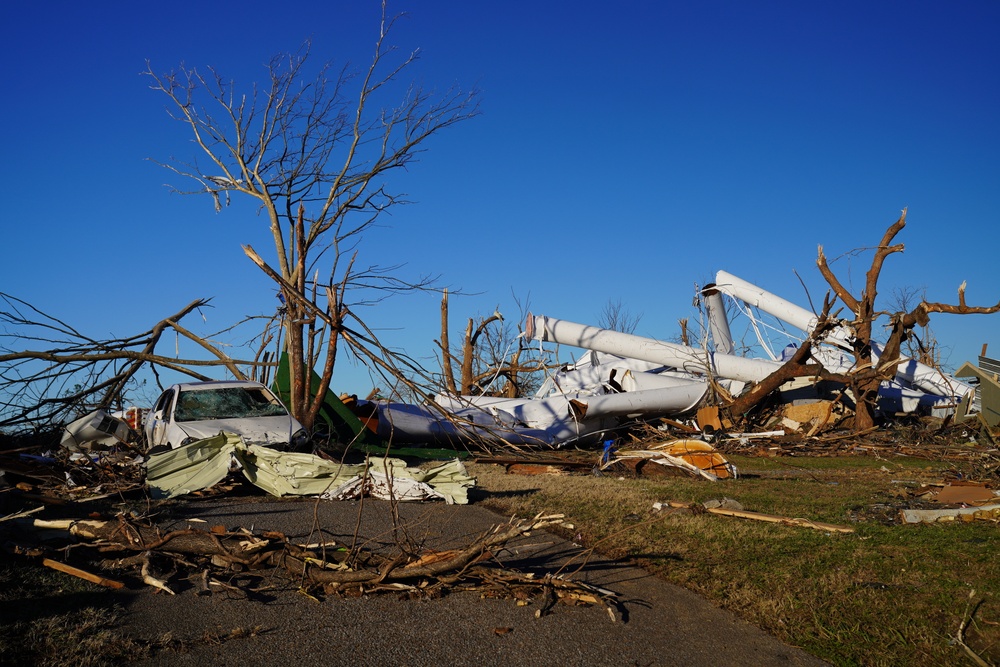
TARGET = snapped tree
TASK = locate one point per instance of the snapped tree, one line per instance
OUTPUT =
(872, 368)
(490, 351)
(314, 150)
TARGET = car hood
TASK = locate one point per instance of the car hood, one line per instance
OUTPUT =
(256, 431)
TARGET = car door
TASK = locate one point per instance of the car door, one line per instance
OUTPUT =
(159, 419)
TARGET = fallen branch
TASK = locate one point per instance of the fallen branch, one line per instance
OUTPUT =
(488, 542)
(456, 569)
(758, 516)
(960, 635)
(149, 579)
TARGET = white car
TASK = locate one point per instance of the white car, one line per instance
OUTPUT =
(198, 410)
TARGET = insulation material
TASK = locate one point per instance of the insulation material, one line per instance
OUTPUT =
(693, 456)
(389, 479)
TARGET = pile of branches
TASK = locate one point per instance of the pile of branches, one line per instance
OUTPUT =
(56, 477)
(214, 557)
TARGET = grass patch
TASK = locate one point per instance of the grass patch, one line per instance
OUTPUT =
(48, 619)
(887, 594)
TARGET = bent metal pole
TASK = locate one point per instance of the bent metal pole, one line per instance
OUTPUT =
(690, 359)
(911, 371)
(718, 324)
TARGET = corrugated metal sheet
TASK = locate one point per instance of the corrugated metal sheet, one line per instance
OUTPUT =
(987, 365)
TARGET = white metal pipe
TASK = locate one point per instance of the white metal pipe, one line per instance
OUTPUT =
(774, 305)
(922, 376)
(692, 360)
(717, 322)
(667, 400)
(926, 378)
(619, 372)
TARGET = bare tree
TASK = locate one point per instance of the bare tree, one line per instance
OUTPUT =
(314, 150)
(491, 350)
(870, 369)
(797, 366)
(869, 372)
(616, 317)
(67, 369)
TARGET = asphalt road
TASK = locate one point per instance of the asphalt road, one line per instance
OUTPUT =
(665, 625)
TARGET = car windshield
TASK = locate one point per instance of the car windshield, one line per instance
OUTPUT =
(227, 403)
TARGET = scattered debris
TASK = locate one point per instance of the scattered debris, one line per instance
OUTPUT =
(964, 514)
(536, 469)
(988, 390)
(965, 493)
(623, 379)
(693, 456)
(95, 430)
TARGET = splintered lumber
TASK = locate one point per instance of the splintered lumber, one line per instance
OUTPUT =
(82, 574)
(515, 461)
(788, 521)
(769, 518)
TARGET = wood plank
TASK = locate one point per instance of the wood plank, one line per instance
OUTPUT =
(82, 574)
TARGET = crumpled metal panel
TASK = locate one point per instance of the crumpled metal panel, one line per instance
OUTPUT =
(96, 428)
(203, 463)
(197, 465)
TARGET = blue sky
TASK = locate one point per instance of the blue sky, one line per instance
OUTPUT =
(623, 153)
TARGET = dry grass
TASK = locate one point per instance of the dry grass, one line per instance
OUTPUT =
(47, 619)
(50, 620)
(886, 594)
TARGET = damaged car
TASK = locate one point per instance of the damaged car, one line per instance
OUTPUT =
(198, 410)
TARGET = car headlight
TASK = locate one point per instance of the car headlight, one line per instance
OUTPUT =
(299, 439)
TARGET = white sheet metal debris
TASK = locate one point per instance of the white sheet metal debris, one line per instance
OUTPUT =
(624, 377)
(95, 429)
(204, 463)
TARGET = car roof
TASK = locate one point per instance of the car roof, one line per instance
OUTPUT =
(216, 384)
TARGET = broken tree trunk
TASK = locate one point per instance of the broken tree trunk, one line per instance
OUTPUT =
(868, 374)
(795, 367)
(446, 370)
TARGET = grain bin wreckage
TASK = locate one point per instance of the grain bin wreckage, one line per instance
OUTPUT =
(624, 377)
